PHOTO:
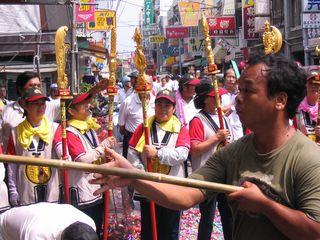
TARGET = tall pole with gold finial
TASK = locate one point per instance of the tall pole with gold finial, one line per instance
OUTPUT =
(317, 81)
(64, 93)
(143, 88)
(212, 68)
(112, 91)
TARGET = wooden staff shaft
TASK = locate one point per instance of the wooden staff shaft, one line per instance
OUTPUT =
(318, 119)
(149, 168)
(132, 174)
(66, 183)
(217, 99)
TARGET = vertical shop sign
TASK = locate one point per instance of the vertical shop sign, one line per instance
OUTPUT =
(248, 16)
(148, 12)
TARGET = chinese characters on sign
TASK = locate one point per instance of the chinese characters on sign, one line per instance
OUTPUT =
(84, 12)
(189, 12)
(177, 32)
(148, 12)
(248, 16)
(156, 39)
(311, 20)
(311, 6)
(103, 20)
(196, 46)
(221, 26)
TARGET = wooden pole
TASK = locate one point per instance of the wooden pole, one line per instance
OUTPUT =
(126, 173)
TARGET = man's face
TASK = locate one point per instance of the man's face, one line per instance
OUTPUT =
(230, 81)
(81, 111)
(3, 92)
(253, 105)
(33, 82)
(164, 110)
(133, 81)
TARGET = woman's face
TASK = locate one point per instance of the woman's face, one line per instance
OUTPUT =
(164, 110)
(312, 92)
(35, 109)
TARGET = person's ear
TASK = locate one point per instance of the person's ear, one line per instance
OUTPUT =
(71, 111)
(281, 99)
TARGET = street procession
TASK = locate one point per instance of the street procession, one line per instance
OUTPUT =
(159, 120)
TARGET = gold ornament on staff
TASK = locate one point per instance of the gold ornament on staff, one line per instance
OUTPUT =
(112, 89)
(272, 39)
(61, 48)
(140, 64)
(212, 67)
(131, 174)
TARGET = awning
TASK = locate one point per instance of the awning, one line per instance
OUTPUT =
(197, 62)
(44, 68)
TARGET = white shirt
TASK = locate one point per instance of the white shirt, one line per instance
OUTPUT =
(4, 201)
(12, 116)
(130, 113)
(44, 221)
(227, 99)
(189, 111)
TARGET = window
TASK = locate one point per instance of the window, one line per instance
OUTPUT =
(277, 16)
(295, 10)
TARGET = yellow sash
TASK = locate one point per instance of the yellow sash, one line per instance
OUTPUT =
(173, 125)
(26, 132)
(84, 126)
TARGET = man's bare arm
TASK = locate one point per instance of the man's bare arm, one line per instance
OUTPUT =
(167, 195)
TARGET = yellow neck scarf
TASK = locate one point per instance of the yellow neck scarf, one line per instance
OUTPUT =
(84, 126)
(173, 125)
(26, 132)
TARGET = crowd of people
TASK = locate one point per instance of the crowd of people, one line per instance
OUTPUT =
(260, 148)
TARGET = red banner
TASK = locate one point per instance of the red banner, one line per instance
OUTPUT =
(248, 22)
(85, 12)
(222, 26)
(177, 32)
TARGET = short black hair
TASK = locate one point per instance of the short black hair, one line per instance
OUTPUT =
(202, 90)
(79, 231)
(23, 79)
(283, 75)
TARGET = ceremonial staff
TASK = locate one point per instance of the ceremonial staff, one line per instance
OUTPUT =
(143, 88)
(112, 91)
(126, 173)
(317, 81)
(64, 94)
(212, 68)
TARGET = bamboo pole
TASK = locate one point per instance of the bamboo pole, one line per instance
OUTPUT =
(126, 173)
